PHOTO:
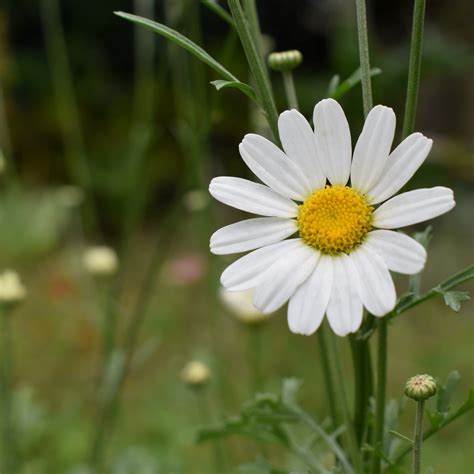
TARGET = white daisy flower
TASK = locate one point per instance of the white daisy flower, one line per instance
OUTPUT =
(346, 246)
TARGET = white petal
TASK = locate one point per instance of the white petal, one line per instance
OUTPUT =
(377, 290)
(283, 277)
(297, 139)
(401, 165)
(413, 207)
(247, 271)
(252, 197)
(372, 148)
(251, 234)
(333, 141)
(274, 168)
(344, 310)
(400, 253)
(308, 305)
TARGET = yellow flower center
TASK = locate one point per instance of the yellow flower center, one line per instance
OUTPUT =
(334, 219)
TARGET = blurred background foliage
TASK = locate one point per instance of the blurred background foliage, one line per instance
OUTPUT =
(105, 130)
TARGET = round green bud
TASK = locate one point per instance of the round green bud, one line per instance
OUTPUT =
(421, 387)
(285, 60)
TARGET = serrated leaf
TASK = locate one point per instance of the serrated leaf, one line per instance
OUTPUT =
(245, 88)
(453, 299)
(352, 81)
(182, 41)
(446, 392)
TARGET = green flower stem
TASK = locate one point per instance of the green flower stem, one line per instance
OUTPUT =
(341, 396)
(364, 55)
(10, 452)
(418, 437)
(290, 90)
(257, 66)
(110, 325)
(326, 363)
(250, 10)
(380, 396)
(414, 70)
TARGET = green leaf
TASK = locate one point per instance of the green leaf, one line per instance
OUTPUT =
(261, 466)
(453, 299)
(333, 84)
(245, 88)
(218, 10)
(400, 436)
(351, 81)
(290, 389)
(180, 40)
(446, 391)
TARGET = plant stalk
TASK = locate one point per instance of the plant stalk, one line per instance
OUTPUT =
(380, 396)
(364, 55)
(418, 437)
(290, 89)
(257, 66)
(414, 70)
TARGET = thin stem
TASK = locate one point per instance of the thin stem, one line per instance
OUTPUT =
(10, 461)
(414, 70)
(250, 10)
(364, 55)
(328, 376)
(110, 325)
(418, 437)
(290, 90)
(341, 396)
(257, 66)
(380, 397)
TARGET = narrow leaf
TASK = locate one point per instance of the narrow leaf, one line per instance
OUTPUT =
(352, 81)
(218, 10)
(245, 88)
(400, 436)
(180, 40)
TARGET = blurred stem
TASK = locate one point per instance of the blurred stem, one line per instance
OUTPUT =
(290, 90)
(110, 324)
(111, 405)
(257, 66)
(380, 396)
(341, 397)
(254, 356)
(414, 70)
(325, 354)
(67, 106)
(418, 437)
(10, 451)
(364, 55)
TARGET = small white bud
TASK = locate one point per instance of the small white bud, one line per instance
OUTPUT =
(11, 288)
(100, 261)
(240, 304)
(195, 373)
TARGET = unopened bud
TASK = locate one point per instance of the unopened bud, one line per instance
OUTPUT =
(195, 373)
(100, 261)
(285, 60)
(12, 290)
(420, 387)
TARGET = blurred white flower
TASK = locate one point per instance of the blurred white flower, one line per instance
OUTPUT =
(195, 373)
(11, 288)
(240, 304)
(195, 200)
(100, 260)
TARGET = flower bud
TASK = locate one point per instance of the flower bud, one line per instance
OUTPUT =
(240, 304)
(420, 387)
(195, 373)
(100, 261)
(12, 290)
(285, 60)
